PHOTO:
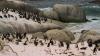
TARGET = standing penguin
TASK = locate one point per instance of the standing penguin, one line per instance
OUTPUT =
(26, 41)
(89, 42)
(24, 35)
(61, 44)
(50, 42)
(36, 41)
(45, 37)
(68, 45)
(95, 49)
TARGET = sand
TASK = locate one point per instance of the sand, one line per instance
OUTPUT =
(54, 50)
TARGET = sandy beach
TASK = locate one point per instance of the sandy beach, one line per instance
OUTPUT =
(54, 50)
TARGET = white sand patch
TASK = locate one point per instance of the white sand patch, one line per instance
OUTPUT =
(53, 50)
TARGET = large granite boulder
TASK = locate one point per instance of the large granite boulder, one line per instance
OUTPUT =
(89, 34)
(23, 25)
(49, 13)
(60, 35)
(70, 13)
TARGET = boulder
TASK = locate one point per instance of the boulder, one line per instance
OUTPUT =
(50, 13)
(23, 25)
(60, 35)
(70, 13)
(89, 34)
